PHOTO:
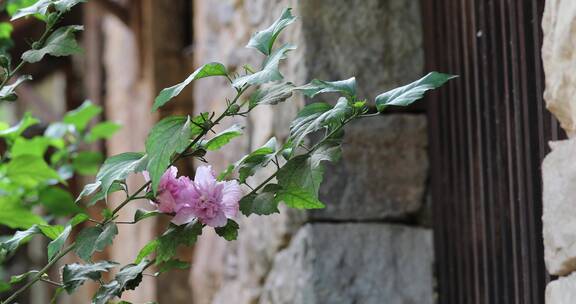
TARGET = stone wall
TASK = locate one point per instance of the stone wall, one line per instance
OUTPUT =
(559, 167)
(368, 245)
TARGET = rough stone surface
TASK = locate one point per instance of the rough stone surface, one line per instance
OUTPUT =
(559, 218)
(559, 59)
(562, 291)
(383, 170)
(323, 264)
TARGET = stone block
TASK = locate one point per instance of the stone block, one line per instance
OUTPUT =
(559, 207)
(562, 290)
(383, 171)
(353, 263)
(559, 61)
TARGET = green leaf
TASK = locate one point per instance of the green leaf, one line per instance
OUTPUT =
(269, 72)
(271, 95)
(36, 146)
(101, 195)
(147, 250)
(60, 43)
(12, 6)
(207, 70)
(74, 275)
(170, 135)
(259, 158)
(30, 170)
(51, 231)
(58, 130)
(299, 199)
(58, 242)
(263, 203)
(21, 277)
(13, 132)
(228, 232)
(223, 138)
(175, 236)
(8, 92)
(15, 216)
(92, 239)
(81, 116)
(299, 173)
(87, 162)
(345, 87)
(317, 116)
(59, 202)
(41, 7)
(56, 245)
(171, 265)
(144, 214)
(264, 40)
(128, 278)
(6, 29)
(89, 189)
(103, 130)
(406, 95)
(18, 239)
(117, 168)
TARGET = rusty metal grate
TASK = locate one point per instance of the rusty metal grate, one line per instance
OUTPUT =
(489, 133)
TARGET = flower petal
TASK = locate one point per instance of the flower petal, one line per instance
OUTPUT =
(184, 216)
(219, 220)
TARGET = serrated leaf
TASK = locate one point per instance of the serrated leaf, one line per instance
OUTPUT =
(345, 87)
(207, 70)
(8, 92)
(175, 236)
(264, 40)
(58, 242)
(259, 158)
(222, 138)
(19, 238)
(317, 116)
(60, 43)
(147, 250)
(269, 72)
(116, 168)
(56, 245)
(92, 239)
(299, 173)
(171, 265)
(101, 195)
(103, 130)
(271, 95)
(74, 275)
(169, 136)
(128, 278)
(299, 199)
(81, 116)
(228, 232)
(144, 214)
(406, 95)
(263, 203)
(30, 170)
(13, 132)
(41, 7)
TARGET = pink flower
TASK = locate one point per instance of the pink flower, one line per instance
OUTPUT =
(210, 201)
(170, 188)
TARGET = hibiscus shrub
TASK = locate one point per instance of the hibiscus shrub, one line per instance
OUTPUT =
(209, 200)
